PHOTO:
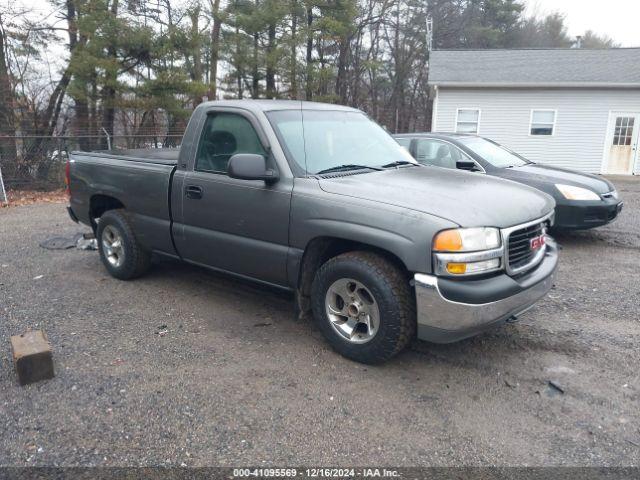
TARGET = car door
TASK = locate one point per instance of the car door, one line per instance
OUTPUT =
(239, 226)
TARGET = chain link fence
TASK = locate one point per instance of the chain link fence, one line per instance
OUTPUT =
(33, 162)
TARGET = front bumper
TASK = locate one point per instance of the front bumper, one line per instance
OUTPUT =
(582, 215)
(449, 311)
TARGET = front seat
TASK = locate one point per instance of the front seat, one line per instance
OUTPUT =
(221, 146)
(443, 157)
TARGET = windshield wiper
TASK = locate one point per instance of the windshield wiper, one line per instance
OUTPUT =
(397, 163)
(349, 166)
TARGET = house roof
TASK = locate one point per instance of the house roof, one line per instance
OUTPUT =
(612, 68)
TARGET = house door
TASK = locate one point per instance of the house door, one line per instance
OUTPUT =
(622, 143)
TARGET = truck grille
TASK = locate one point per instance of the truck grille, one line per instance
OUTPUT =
(520, 254)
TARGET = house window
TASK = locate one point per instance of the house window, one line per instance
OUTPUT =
(543, 122)
(624, 131)
(467, 120)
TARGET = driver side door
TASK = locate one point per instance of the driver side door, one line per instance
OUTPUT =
(238, 226)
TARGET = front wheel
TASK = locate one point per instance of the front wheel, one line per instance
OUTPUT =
(364, 306)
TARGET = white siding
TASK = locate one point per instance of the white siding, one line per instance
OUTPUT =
(581, 120)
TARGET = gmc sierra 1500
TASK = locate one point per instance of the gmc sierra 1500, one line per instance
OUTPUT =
(320, 200)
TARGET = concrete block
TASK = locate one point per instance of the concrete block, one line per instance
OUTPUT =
(32, 356)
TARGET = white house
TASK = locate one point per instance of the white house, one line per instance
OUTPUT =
(573, 108)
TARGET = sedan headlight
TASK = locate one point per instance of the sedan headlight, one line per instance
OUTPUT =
(467, 251)
(571, 192)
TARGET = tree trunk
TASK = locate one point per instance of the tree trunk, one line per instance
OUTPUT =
(294, 44)
(341, 78)
(309, 83)
(196, 75)
(109, 89)
(8, 150)
(83, 122)
(93, 120)
(255, 78)
(271, 69)
(397, 84)
(239, 68)
(215, 49)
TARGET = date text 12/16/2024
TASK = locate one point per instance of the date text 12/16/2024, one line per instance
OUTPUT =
(315, 472)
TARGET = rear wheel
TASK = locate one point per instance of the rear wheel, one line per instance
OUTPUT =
(120, 251)
(363, 305)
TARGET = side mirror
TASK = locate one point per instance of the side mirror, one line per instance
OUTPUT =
(250, 166)
(466, 165)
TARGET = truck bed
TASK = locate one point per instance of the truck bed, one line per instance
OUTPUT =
(160, 156)
(139, 179)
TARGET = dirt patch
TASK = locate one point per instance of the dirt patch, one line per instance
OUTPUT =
(19, 198)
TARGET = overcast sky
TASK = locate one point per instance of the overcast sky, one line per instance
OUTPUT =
(619, 19)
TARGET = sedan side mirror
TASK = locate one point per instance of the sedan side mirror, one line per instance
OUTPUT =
(250, 166)
(466, 165)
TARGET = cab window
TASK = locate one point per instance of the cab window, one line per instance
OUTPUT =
(224, 135)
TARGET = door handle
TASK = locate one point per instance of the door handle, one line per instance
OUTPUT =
(193, 191)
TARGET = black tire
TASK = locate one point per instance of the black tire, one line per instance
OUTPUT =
(136, 259)
(394, 297)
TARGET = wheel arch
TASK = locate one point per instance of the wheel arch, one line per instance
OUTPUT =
(99, 204)
(321, 249)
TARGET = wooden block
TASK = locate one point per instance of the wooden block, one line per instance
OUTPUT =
(33, 356)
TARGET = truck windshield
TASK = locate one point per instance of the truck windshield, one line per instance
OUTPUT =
(320, 140)
(493, 153)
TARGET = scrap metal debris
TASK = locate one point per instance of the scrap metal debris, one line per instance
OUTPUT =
(509, 384)
(87, 242)
(162, 330)
(555, 387)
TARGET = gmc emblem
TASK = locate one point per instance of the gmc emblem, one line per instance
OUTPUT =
(536, 242)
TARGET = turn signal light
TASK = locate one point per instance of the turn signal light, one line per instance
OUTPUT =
(457, 268)
(470, 268)
(448, 241)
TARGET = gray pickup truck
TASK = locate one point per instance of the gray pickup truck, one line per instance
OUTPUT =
(319, 200)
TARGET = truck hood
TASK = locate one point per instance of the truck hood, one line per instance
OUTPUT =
(467, 199)
(539, 175)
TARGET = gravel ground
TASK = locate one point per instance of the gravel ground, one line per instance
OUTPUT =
(237, 380)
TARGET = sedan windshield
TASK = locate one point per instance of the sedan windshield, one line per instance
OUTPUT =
(493, 153)
(322, 141)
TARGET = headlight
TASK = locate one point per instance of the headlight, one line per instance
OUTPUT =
(576, 193)
(467, 251)
(466, 240)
